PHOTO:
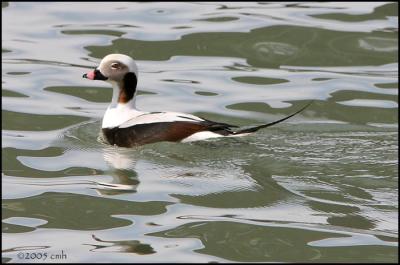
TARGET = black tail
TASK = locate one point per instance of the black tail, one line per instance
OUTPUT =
(256, 128)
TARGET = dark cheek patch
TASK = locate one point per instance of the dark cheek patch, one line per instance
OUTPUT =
(128, 88)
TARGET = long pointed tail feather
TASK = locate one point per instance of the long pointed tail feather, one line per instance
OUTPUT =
(256, 128)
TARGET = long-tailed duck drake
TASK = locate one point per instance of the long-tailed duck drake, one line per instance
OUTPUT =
(124, 125)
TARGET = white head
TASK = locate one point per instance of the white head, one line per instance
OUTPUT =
(115, 66)
(122, 72)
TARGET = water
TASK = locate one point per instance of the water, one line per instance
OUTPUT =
(321, 187)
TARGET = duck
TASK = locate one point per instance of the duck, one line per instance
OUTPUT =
(124, 125)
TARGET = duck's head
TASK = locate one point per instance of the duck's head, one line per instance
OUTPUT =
(121, 71)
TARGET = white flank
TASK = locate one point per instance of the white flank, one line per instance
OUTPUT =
(208, 135)
(200, 136)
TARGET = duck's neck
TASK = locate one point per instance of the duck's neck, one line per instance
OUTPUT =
(118, 112)
(116, 98)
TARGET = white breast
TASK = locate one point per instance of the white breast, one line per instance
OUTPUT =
(115, 116)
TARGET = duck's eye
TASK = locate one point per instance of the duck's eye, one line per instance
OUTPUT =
(115, 66)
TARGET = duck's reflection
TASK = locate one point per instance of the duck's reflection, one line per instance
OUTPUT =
(182, 172)
(125, 179)
(119, 158)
